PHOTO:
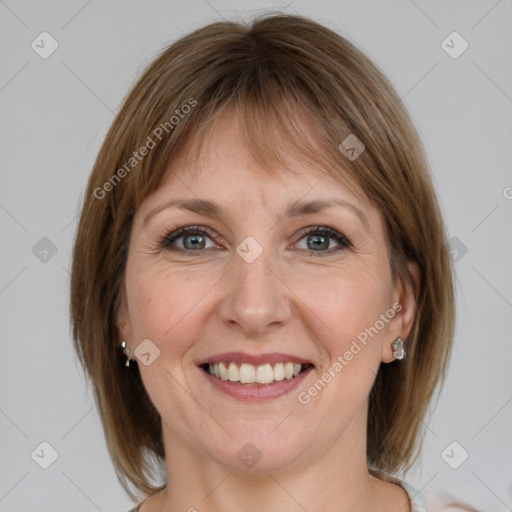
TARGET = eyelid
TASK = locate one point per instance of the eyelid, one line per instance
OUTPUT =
(321, 228)
(187, 230)
(340, 238)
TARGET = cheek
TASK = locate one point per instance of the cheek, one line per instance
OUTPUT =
(346, 305)
(343, 313)
(164, 305)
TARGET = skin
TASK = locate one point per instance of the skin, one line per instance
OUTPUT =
(291, 299)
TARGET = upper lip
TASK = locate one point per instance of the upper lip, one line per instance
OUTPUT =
(254, 359)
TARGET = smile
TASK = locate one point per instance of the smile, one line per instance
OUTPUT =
(254, 377)
(255, 374)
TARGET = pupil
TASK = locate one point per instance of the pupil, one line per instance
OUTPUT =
(323, 243)
(196, 241)
(314, 242)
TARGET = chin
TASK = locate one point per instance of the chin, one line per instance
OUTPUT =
(261, 452)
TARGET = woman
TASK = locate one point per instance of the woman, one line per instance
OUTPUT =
(261, 290)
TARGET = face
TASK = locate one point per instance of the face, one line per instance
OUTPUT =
(310, 287)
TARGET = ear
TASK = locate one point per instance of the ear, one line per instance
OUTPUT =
(403, 302)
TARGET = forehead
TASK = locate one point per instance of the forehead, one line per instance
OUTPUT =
(226, 170)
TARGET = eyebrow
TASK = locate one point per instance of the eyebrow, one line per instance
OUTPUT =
(295, 209)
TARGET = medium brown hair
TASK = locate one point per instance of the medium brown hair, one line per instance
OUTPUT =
(281, 73)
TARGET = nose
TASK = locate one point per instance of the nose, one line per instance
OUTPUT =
(257, 300)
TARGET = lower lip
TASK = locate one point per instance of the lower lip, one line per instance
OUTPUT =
(255, 392)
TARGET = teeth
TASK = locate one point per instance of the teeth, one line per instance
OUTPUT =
(247, 373)
(250, 374)
(264, 374)
(279, 371)
(233, 372)
(288, 370)
(222, 369)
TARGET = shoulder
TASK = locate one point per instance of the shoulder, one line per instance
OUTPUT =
(436, 504)
(425, 502)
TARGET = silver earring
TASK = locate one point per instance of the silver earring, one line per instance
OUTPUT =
(398, 347)
(126, 350)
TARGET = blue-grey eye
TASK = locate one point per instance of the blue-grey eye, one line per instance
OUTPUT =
(193, 239)
(320, 239)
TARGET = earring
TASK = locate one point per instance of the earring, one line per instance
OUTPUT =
(126, 350)
(398, 347)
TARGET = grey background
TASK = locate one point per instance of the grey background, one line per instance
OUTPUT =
(54, 115)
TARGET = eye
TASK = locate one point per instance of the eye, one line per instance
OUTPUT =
(190, 238)
(195, 238)
(319, 240)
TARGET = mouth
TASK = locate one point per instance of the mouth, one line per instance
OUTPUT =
(255, 377)
(249, 374)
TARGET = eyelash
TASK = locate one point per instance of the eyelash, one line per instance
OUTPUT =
(167, 241)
